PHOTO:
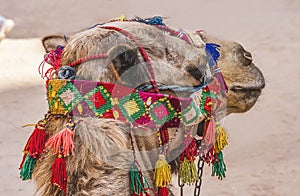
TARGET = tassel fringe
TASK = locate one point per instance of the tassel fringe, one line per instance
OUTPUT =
(138, 182)
(213, 53)
(209, 135)
(219, 167)
(221, 140)
(162, 172)
(62, 142)
(59, 173)
(27, 167)
(188, 172)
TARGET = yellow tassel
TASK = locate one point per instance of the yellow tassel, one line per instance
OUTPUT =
(188, 172)
(162, 173)
(221, 140)
(121, 18)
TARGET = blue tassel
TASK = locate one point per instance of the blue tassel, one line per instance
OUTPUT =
(212, 50)
(156, 20)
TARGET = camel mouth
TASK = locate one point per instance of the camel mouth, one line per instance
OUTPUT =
(243, 98)
(245, 89)
(184, 91)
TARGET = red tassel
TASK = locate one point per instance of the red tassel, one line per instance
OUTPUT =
(62, 142)
(190, 148)
(59, 173)
(38, 140)
(221, 80)
(209, 157)
(163, 191)
(164, 136)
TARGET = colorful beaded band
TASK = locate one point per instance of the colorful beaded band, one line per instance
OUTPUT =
(106, 100)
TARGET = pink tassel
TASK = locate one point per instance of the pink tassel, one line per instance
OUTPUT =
(209, 134)
(62, 142)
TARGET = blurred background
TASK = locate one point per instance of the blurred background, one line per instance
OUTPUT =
(263, 153)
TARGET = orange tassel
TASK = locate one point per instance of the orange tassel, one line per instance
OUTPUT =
(62, 142)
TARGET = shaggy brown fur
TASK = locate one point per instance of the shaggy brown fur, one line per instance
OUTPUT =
(103, 150)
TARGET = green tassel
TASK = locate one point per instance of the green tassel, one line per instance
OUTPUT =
(188, 172)
(219, 167)
(138, 183)
(27, 168)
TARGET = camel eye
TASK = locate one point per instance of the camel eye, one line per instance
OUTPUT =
(195, 72)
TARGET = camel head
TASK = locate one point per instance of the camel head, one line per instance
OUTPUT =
(245, 81)
(109, 55)
(103, 144)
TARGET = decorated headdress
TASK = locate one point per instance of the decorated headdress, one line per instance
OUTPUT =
(139, 108)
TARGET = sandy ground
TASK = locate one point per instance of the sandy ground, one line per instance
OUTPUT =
(263, 155)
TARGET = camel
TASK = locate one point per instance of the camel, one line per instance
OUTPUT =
(103, 147)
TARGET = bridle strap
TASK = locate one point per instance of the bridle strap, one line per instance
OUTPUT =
(142, 51)
(88, 58)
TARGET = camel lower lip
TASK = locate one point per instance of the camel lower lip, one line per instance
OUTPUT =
(246, 89)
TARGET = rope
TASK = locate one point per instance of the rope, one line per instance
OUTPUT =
(88, 58)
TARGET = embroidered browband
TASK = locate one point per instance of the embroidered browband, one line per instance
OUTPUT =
(153, 110)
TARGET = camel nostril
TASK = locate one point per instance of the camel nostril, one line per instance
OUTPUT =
(246, 58)
(248, 55)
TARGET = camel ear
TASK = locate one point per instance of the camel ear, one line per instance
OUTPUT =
(126, 65)
(51, 42)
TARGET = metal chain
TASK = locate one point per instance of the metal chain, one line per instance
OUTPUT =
(181, 185)
(200, 173)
